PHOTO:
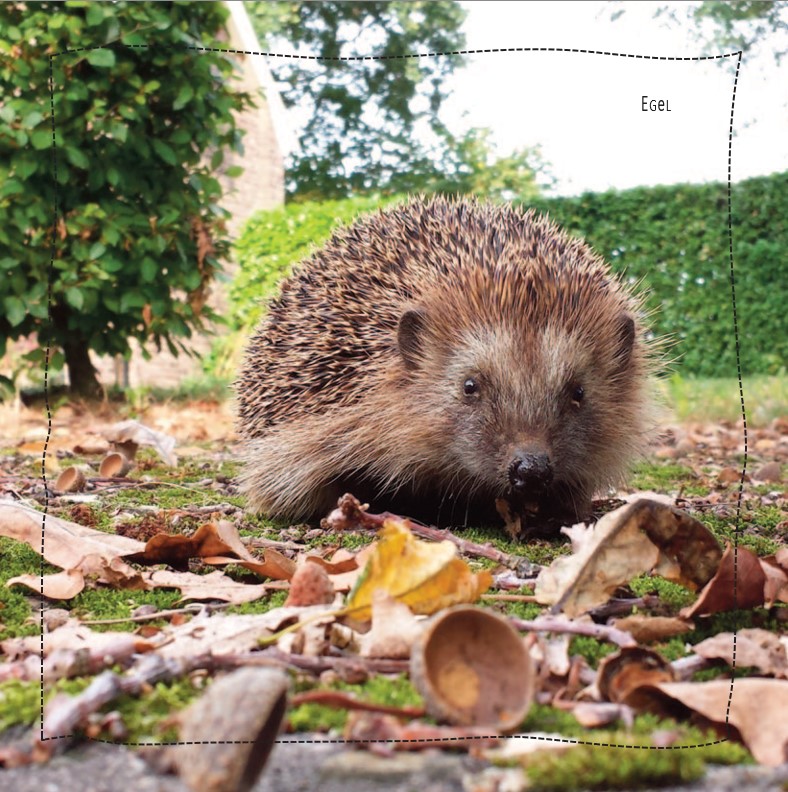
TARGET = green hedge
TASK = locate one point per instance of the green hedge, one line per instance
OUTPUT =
(673, 238)
(676, 240)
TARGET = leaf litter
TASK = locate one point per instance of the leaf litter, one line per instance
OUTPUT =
(399, 586)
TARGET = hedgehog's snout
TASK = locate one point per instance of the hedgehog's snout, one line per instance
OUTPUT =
(530, 471)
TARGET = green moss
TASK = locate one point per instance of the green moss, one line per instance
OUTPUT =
(623, 759)
(590, 648)
(274, 600)
(672, 649)
(147, 717)
(106, 603)
(666, 477)
(520, 610)
(724, 528)
(671, 594)
(731, 621)
(16, 616)
(390, 691)
(20, 703)
(595, 767)
(542, 718)
(143, 716)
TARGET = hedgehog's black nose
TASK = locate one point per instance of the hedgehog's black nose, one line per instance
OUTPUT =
(532, 472)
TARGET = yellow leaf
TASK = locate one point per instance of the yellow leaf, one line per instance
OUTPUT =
(426, 576)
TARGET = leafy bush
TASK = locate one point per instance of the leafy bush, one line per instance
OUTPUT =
(673, 238)
(131, 228)
(676, 240)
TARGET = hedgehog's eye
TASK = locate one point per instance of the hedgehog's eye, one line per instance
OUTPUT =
(577, 395)
(470, 387)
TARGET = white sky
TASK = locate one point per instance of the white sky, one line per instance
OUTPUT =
(585, 110)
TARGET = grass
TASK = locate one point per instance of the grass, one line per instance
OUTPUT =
(703, 399)
(581, 766)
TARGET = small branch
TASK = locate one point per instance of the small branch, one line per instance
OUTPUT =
(349, 515)
(340, 700)
(558, 625)
(194, 608)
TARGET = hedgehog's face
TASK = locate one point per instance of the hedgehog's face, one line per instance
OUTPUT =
(528, 412)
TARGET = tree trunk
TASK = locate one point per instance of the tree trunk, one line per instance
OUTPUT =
(81, 373)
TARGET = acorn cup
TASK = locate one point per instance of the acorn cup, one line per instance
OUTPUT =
(72, 479)
(472, 668)
(114, 465)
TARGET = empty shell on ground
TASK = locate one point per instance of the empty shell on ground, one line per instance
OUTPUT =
(114, 465)
(472, 668)
(72, 479)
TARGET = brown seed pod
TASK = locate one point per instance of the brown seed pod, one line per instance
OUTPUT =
(230, 731)
(472, 668)
(114, 465)
(72, 479)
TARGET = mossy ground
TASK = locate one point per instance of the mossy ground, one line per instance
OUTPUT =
(147, 718)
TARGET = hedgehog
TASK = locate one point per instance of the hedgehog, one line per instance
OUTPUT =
(441, 357)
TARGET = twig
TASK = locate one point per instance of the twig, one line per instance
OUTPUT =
(350, 515)
(64, 714)
(164, 614)
(558, 625)
(340, 700)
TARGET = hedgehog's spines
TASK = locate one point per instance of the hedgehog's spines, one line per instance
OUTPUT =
(326, 356)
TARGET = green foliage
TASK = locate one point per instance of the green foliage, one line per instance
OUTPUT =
(138, 234)
(470, 166)
(362, 114)
(670, 594)
(746, 25)
(718, 399)
(676, 240)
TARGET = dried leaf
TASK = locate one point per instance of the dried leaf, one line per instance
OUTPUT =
(776, 586)
(215, 585)
(633, 539)
(755, 648)
(612, 555)
(394, 629)
(79, 550)
(91, 444)
(134, 432)
(217, 544)
(60, 586)
(757, 709)
(426, 576)
(718, 596)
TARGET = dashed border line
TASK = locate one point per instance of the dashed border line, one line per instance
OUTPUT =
(737, 55)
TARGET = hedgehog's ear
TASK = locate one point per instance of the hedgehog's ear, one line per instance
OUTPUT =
(410, 331)
(626, 340)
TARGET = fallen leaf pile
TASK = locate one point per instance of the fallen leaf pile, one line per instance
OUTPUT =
(415, 600)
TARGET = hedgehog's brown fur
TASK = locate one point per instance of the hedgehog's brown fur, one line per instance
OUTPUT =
(355, 379)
